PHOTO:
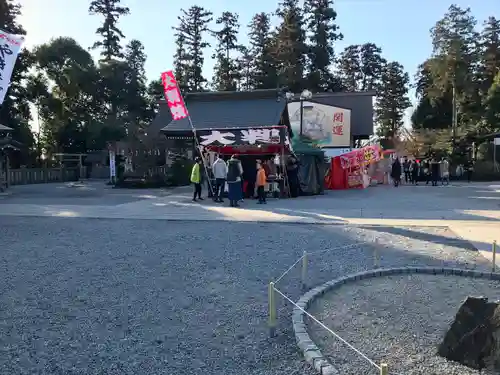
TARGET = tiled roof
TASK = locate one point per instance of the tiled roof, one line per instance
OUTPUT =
(228, 110)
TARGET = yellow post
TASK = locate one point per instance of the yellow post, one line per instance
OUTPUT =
(304, 271)
(494, 251)
(383, 369)
(272, 310)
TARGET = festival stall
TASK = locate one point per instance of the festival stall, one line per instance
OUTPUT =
(349, 171)
(269, 144)
(264, 137)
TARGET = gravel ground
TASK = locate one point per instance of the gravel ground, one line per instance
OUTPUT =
(91, 296)
(398, 319)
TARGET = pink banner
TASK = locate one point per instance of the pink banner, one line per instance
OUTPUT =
(361, 157)
(173, 96)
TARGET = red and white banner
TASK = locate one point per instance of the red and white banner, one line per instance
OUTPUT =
(360, 157)
(10, 46)
(173, 96)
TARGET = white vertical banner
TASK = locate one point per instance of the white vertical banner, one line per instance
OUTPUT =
(112, 165)
(10, 46)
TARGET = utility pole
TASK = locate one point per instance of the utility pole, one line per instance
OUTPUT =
(38, 144)
(454, 117)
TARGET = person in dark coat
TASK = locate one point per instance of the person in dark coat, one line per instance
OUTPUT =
(292, 171)
(234, 173)
(426, 165)
(415, 172)
(469, 169)
(435, 171)
(249, 176)
(396, 172)
(406, 169)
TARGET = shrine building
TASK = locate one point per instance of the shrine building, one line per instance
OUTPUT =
(330, 120)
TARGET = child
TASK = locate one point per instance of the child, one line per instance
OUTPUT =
(261, 183)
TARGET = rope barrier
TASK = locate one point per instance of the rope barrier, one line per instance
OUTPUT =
(289, 269)
(317, 252)
(374, 242)
(329, 330)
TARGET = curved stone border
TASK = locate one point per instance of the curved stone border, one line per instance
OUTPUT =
(311, 352)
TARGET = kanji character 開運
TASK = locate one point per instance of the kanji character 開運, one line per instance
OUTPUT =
(338, 130)
(338, 117)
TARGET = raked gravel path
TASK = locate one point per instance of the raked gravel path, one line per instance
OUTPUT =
(110, 296)
(399, 320)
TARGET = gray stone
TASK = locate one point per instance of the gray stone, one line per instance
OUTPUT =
(471, 337)
(303, 337)
(319, 363)
(312, 354)
(302, 304)
(298, 317)
(329, 370)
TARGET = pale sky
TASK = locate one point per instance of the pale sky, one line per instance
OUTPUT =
(401, 28)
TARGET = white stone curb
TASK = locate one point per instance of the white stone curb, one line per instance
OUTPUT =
(311, 352)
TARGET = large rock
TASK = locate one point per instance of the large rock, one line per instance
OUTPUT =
(474, 337)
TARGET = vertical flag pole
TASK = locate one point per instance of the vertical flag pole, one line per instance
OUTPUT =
(175, 99)
(198, 146)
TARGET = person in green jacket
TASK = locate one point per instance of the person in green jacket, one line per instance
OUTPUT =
(196, 179)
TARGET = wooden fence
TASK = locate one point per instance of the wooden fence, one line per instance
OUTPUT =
(25, 176)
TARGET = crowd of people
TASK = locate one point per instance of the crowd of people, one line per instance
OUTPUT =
(241, 182)
(431, 170)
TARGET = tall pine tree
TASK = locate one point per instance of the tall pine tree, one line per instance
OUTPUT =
(372, 66)
(320, 21)
(245, 64)
(136, 102)
(264, 68)
(226, 74)
(361, 67)
(392, 100)
(109, 31)
(492, 105)
(349, 66)
(455, 61)
(289, 45)
(489, 53)
(452, 67)
(181, 62)
(193, 25)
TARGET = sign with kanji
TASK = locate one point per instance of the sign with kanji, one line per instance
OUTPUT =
(238, 137)
(173, 96)
(323, 125)
(10, 46)
(360, 157)
(338, 124)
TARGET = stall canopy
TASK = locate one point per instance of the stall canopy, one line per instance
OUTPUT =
(311, 167)
(234, 122)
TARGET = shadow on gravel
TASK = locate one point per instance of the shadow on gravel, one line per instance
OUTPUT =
(423, 236)
(106, 296)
